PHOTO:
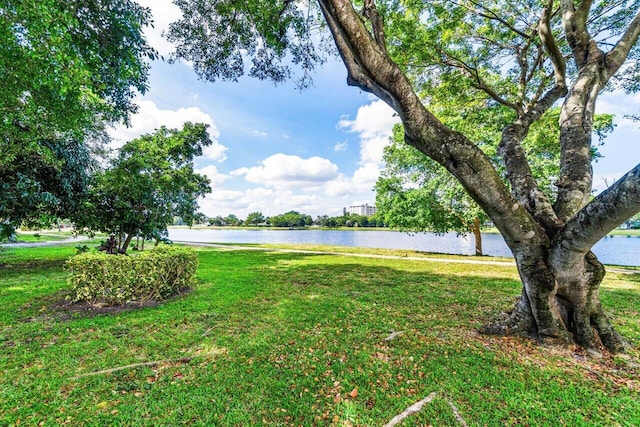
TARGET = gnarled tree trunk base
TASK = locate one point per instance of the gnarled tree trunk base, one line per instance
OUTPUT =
(600, 336)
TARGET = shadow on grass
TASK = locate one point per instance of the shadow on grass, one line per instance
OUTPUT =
(300, 339)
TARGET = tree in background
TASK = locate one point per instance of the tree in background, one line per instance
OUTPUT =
(39, 186)
(66, 68)
(232, 220)
(291, 219)
(255, 218)
(524, 56)
(151, 181)
(217, 221)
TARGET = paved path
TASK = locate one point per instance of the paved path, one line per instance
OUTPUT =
(411, 258)
(303, 251)
(46, 243)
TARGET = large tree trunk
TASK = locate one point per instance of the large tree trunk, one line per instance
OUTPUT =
(562, 306)
(551, 243)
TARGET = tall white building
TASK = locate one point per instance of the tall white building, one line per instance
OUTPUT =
(365, 210)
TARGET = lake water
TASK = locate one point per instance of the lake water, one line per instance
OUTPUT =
(617, 250)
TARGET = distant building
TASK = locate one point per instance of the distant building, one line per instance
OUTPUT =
(364, 210)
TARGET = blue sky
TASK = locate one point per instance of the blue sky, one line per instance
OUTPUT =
(278, 149)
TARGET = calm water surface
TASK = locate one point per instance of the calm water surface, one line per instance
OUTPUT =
(618, 250)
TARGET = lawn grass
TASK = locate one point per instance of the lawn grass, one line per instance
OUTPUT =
(274, 338)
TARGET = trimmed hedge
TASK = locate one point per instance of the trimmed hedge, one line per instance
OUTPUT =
(117, 279)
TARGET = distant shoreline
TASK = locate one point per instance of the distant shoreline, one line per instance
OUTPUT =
(616, 232)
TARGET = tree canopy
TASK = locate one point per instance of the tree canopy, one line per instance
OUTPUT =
(524, 57)
(62, 63)
(66, 69)
(39, 186)
(149, 182)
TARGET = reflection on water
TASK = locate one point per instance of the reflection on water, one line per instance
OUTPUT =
(618, 250)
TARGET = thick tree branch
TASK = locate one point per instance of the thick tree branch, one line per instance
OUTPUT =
(575, 27)
(523, 183)
(371, 13)
(551, 46)
(357, 75)
(576, 127)
(604, 213)
(616, 57)
(426, 133)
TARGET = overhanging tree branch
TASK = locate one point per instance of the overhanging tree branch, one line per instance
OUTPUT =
(357, 74)
(575, 27)
(425, 132)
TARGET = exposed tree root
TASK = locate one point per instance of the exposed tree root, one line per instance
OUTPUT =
(595, 336)
(417, 407)
(456, 413)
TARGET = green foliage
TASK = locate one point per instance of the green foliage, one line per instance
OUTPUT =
(217, 38)
(255, 218)
(151, 275)
(66, 69)
(232, 220)
(151, 181)
(291, 219)
(64, 63)
(41, 182)
(414, 193)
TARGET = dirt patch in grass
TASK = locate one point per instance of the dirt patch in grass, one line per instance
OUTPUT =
(62, 308)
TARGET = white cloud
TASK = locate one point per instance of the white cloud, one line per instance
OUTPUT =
(239, 171)
(149, 118)
(216, 178)
(223, 202)
(620, 104)
(341, 146)
(374, 123)
(260, 133)
(266, 200)
(164, 12)
(284, 171)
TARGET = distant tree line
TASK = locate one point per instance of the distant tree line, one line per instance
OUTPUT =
(294, 219)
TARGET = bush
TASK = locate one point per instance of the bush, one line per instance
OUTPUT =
(118, 279)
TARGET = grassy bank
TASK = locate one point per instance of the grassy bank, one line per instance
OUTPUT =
(272, 338)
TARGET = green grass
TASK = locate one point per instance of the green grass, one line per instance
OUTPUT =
(273, 338)
(619, 232)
